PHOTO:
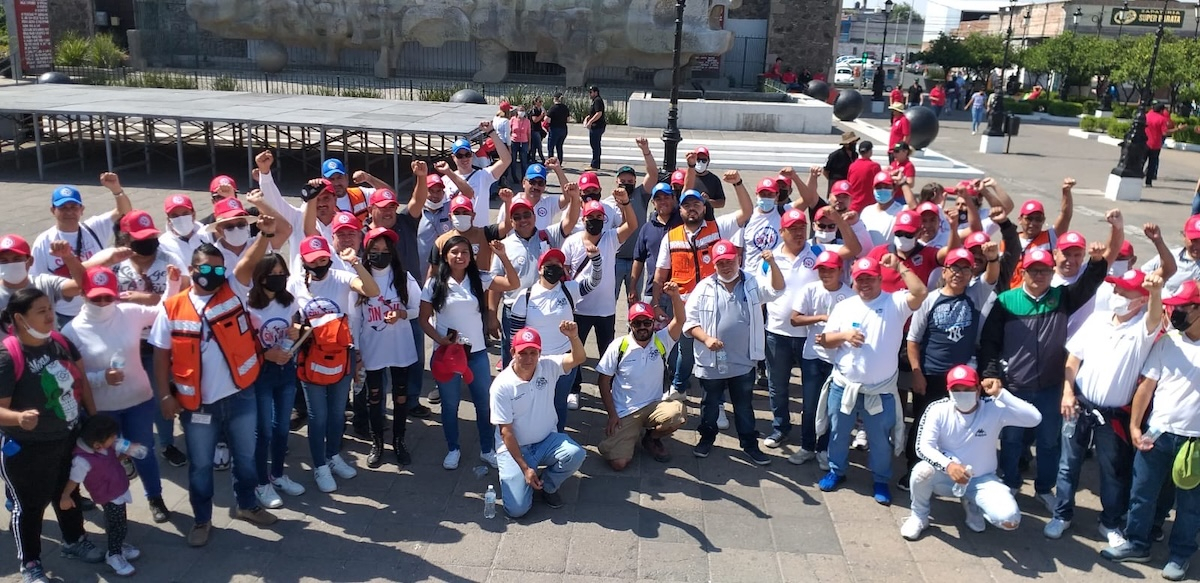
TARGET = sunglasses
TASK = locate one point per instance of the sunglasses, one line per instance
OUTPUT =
(906, 235)
(216, 197)
(1040, 272)
(207, 269)
(462, 155)
(642, 323)
(826, 226)
(237, 225)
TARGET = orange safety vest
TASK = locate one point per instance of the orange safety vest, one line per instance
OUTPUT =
(325, 358)
(690, 259)
(231, 329)
(358, 203)
(1045, 241)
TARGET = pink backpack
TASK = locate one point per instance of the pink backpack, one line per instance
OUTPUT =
(13, 345)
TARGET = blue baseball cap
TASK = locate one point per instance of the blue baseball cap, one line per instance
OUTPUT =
(536, 171)
(65, 195)
(460, 144)
(332, 166)
(690, 193)
(662, 188)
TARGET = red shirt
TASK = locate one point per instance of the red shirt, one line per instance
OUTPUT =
(862, 183)
(897, 96)
(937, 96)
(901, 130)
(909, 170)
(788, 77)
(922, 263)
(1156, 129)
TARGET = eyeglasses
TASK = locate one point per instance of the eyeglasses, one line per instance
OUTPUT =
(206, 269)
(462, 155)
(826, 226)
(236, 225)
(216, 197)
(1040, 272)
(705, 160)
(537, 182)
(959, 269)
(642, 323)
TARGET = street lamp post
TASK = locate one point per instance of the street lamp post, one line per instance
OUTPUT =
(877, 85)
(1106, 103)
(996, 123)
(671, 136)
(1125, 179)
(1121, 20)
(1066, 82)
(1075, 19)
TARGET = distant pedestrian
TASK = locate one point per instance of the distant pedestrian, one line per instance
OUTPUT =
(558, 115)
(595, 123)
(977, 103)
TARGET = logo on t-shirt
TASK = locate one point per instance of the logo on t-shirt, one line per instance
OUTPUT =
(543, 212)
(541, 383)
(808, 262)
(320, 307)
(273, 331)
(766, 238)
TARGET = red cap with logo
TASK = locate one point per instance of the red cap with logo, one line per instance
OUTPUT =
(592, 207)
(1126, 250)
(960, 254)
(220, 181)
(906, 222)
(520, 202)
(678, 177)
(724, 249)
(702, 152)
(526, 338)
(1032, 206)
(589, 180)
(966, 186)
(384, 232)
(176, 201)
(840, 187)
(229, 208)
(1189, 293)
(793, 216)
(343, 221)
(434, 181)
(100, 281)
(14, 243)
(1191, 229)
(1130, 280)
(883, 177)
(640, 310)
(139, 225)
(505, 106)
(313, 248)
(1071, 239)
(828, 259)
(865, 266)
(461, 202)
(552, 254)
(383, 197)
(767, 185)
(928, 207)
(1037, 256)
(787, 182)
(976, 239)
(961, 376)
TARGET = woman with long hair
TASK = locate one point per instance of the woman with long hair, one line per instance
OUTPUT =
(382, 327)
(453, 306)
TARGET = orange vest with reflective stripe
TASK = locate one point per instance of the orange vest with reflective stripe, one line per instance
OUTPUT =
(231, 330)
(690, 259)
(358, 203)
(1042, 241)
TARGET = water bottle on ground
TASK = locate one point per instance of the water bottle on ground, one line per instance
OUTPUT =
(117, 361)
(131, 449)
(722, 361)
(489, 502)
(960, 490)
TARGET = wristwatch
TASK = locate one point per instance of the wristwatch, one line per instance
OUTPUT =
(738, 183)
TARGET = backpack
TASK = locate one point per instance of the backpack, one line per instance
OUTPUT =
(326, 357)
(565, 290)
(662, 350)
(13, 345)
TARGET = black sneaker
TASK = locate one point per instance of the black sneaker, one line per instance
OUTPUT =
(552, 499)
(298, 421)
(403, 458)
(1156, 534)
(159, 510)
(902, 485)
(420, 412)
(86, 504)
(703, 448)
(757, 456)
(174, 457)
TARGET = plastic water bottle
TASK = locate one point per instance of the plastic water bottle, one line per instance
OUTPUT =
(489, 502)
(131, 449)
(722, 361)
(960, 490)
(857, 328)
(287, 344)
(1151, 435)
(1069, 426)
(360, 380)
(10, 448)
(117, 361)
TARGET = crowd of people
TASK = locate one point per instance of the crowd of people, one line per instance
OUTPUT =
(1006, 333)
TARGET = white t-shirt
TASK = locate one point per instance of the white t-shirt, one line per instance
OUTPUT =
(153, 279)
(879, 222)
(461, 311)
(760, 233)
(526, 405)
(481, 181)
(797, 273)
(1172, 362)
(727, 228)
(1112, 355)
(945, 434)
(599, 302)
(215, 379)
(882, 324)
(323, 297)
(545, 212)
(93, 236)
(381, 344)
(171, 243)
(814, 300)
(1186, 269)
(295, 218)
(524, 255)
(545, 310)
(273, 321)
(98, 340)
(637, 376)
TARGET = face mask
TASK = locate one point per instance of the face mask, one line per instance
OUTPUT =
(628, 188)
(1121, 305)
(34, 333)
(1179, 320)
(147, 248)
(275, 283)
(824, 236)
(905, 244)
(701, 166)
(434, 206)
(13, 273)
(210, 282)
(379, 260)
(590, 197)
(964, 401)
(594, 226)
(722, 278)
(520, 114)
(318, 272)
(237, 237)
(882, 195)
(1119, 267)
(97, 312)
(461, 223)
(766, 205)
(553, 273)
(183, 225)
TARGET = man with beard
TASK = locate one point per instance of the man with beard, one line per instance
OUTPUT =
(664, 218)
(533, 189)
(480, 179)
(349, 199)
(837, 166)
(1034, 235)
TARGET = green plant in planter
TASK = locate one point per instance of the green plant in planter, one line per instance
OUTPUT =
(1064, 108)
(360, 92)
(1088, 123)
(225, 83)
(72, 51)
(105, 53)
(579, 106)
(1117, 129)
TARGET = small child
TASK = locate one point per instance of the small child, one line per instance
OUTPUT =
(98, 467)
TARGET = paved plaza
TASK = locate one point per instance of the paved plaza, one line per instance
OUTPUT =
(718, 519)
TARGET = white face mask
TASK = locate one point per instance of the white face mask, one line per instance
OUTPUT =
(1119, 267)
(237, 237)
(964, 401)
(182, 226)
(13, 273)
(461, 223)
(36, 334)
(701, 166)
(96, 312)
(1121, 305)
(904, 244)
(824, 236)
(732, 279)
(434, 206)
(520, 114)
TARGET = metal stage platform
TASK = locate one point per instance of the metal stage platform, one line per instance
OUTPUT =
(139, 126)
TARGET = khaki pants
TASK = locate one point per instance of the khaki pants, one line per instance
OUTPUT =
(663, 415)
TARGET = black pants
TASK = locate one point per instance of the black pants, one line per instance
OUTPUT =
(116, 525)
(935, 388)
(605, 327)
(1152, 164)
(377, 407)
(36, 477)
(594, 135)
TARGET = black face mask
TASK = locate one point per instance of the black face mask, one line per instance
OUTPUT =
(594, 226)
(275, 283)
(379, 260)
(146, 248)
(209, 282)
(590, 197)
(628, 188)
(318, 272)
(553, 273)
(1179, 320)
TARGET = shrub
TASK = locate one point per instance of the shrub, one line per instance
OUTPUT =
(579, 106)
(97, 51)
(1124, 111)
(105, 53)
(320, 90)
(442, 94)
(614, 116)
(71, 51)
(225, 83)
(1187, 135)
(1020, 108)
(1091, 105)
(1103, 123)
(520, 95)
(1064, 108)
(1117, 129)
(162, 80)
(1088, 123)
(360, 92)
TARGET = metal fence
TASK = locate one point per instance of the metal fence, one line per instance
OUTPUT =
(745, 61)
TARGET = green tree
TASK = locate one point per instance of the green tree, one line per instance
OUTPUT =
(946, 51)
(1175, 68)
(901, 11)
(1037, 61)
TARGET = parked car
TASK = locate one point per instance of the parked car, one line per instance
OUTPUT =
(843, 76)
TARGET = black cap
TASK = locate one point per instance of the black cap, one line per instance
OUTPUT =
(901, 147)
(594, 88)
(624, 169)
(865, 146)
(558, 94)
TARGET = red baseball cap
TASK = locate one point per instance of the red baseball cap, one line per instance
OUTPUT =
(1071, 239)
(313, 248)
(882, 177)
(828, 259)
(384, 232)
(793, 216)
(678, 177)
(177, 201)
(865, 266)
(822, 212)
(588, 180)
(526, 338)
(1188, 293)
(767, 184)
(521, 202)
(1032, 206)
(703, 151)
(229, 208)
(1037, 256)
(592, 207)
(1130, 280)
(928, 207)
(840, 187)
(961, 376)
(220, 181)
(344, 220)
(552, 254)
(100, 281)
(967, 186)
(724, 249)
(960, 254)
(1126, 249)
(906, 222)
(383, 197)
(976, 239)
(505, 106)
(784, 179)
(15, 243)
(1191, 229)
(461, 202)
(139, 225)
(640, 310)
(434, 181)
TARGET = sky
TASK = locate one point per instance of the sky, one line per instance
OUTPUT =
(934, 24)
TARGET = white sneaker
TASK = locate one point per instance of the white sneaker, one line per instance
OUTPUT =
(120, 566)
(801, 456)
(860, 440)
(489, 458)
(573, 401)
(1049, 501)
(287, 486)
(342, 469)
(823, 460)
(674, 394)
(913, 527)
(267, 497)
(324, 480)
(722, 420)
(975, 520)
(221, 457)
(1114, 536)
(130, 552)
(435, 397)
(451, 461)
(1054, 529)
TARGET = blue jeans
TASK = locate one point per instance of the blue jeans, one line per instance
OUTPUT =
(1150, 470)
(561, 456)
(137, 425)
(520, 160)
(1048, 434)
(562, 388)
(1196, 203)
(535, 147)
(741, 392)
(235, 418)
(813, 374)
(685, 360)
(326, 407)
(556, 136)
(165, 427)
(506, 334)
(1114, 456)
(976, 118)
(624, 271)
(594, 135)
(275, 390)
(416, 373)
(452, 393)
(879, 433)
(783, 353)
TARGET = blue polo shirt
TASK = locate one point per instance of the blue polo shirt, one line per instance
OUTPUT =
(649, 239)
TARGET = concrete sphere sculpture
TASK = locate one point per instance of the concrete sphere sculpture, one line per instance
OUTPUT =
(55, 77)
(271, 57)
(468, 96)
(818, 90)
(849, 105)
(923, 124)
